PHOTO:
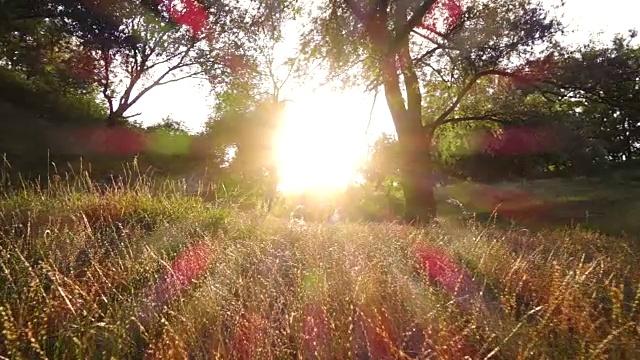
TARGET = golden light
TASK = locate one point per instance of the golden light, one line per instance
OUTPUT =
(320, 144)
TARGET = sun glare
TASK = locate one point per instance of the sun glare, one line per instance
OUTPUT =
(319, 146)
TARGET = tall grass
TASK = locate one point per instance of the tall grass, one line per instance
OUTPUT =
(146, 271)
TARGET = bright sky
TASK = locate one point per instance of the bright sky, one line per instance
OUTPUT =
(311, 154)
(188, 100)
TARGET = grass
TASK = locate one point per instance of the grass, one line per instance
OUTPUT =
(608, 206)
(150, 273)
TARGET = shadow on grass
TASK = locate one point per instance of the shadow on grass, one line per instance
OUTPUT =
(610, 210)
(606, 217)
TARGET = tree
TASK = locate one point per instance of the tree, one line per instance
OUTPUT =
(383, 161)
(249, 112)
(405, 47)
(602, 82)
(169, 125)
(128, 48)
(37, 49)
(165, 43)
(378, 197)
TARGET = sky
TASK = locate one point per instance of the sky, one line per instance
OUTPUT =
(189, 100)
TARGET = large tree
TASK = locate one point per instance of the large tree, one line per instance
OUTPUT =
(409, 47)
(165, 43)
(130, 47)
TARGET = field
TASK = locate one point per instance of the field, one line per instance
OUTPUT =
(607, 205)
(149, 273)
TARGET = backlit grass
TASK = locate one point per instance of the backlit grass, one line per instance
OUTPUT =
(150, 273)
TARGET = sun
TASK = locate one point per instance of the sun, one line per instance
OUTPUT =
(319, 146)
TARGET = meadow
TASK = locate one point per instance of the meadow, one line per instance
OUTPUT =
(607, 204)
(148, 272)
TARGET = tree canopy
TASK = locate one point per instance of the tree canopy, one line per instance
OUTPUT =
(428, 57)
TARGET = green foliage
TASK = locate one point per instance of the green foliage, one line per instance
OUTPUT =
(603, 81)
(376, 203)
(32, 111)
(589, 106)
(379, 196)
(128, 48)
(58, 56)
(247, 122)
(46, 100)
(383, 160)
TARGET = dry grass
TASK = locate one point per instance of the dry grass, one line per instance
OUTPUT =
(158, 275)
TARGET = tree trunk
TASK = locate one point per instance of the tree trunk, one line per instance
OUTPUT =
(406, 111)
(420, 203)
(416, 179)
(115, 118)
(415, 149)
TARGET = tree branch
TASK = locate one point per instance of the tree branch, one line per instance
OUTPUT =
(360, 14)
(373, 84)
(158, 81)
(414, 20)
(331, 77)
(194, 74)
(107, 81)
(426, 54)
(438, 45)
(487, 117)
(409, 76)
(424, 36)
(141, 69)
(438, 72)
(164, 61)
(271, 73)
(291, 68)
(412, 85)
(463, 92)
(130, 116)
(590, 91)
(373, 104)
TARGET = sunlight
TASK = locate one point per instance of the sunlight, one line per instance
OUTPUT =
(320, 145)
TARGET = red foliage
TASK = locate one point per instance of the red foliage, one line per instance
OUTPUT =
(442, 16)
(188, 13)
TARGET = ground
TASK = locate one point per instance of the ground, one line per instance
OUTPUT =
(149, 273)
(607, 205)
